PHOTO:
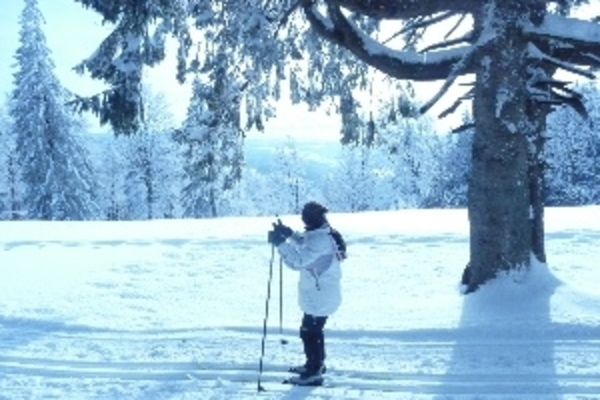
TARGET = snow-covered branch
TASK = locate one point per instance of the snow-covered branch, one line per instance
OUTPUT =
(395, 63)
(567, 29)
(571, 39)
(534, 52)
(402, 9)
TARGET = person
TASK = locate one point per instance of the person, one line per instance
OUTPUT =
(316, 253)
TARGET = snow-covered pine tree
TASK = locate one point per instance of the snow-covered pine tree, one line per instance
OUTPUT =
(414, 152)
(350, 187)
(110, 163)
(211, 140)
(151, 163)
(54, 167)
(6, 151)
(288, 179)
(573, 153)
(456, 165)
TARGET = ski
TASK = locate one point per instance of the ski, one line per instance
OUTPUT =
(294, 382)
(301, 369)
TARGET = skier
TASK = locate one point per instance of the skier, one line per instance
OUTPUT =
(316, 253)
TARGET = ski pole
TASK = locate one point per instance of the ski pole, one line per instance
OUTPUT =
(282, 340)
(260, 388)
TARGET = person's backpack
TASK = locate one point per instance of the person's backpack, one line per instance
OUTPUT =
(341, 244)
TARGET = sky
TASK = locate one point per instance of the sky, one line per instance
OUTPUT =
(174, 310)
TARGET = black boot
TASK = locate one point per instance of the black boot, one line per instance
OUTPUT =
(311, 333)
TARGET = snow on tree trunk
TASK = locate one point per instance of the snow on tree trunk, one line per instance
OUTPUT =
(499, 202)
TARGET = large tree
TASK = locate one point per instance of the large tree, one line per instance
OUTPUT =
(512, 48)
(54, 167)
(150, 183)
(212, 144)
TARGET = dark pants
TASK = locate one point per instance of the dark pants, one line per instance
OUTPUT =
(311, 333)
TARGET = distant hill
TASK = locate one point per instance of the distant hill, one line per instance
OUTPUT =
(319, 156)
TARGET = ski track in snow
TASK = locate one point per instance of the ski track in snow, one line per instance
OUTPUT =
(403, 369)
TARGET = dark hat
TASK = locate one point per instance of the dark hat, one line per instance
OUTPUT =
(313, 215)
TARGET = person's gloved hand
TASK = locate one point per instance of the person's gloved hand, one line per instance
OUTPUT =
(276, 238)
(282, 229)
(280, 233)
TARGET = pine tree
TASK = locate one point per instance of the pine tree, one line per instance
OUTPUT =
(55, 171)
(288, 179)
(151, 163)
(7, 171)
(212, 145)
(110, 163)
(352, 184)
(456, 165)
(573, 153)
(252, 196)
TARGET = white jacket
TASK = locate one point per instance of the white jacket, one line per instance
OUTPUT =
(314, 254)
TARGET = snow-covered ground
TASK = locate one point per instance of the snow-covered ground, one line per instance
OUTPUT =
(175, 310)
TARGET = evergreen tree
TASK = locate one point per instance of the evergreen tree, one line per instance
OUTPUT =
(252, 196)
(456, 165)
(415, 155)
(57, 176)
(212, 145)
(8, 178)
(573, 153)
(110, 162)
(151, 163)
(351, 186)
(289, 189)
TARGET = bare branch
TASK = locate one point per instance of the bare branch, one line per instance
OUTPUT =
(460, 68)
(456, 26)
(427, 22)
(447, 84)
(575, 103)
(450, 110)
(394, 36)
(462, 128)
(449, 43)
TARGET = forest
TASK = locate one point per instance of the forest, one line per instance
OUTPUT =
(409, 165)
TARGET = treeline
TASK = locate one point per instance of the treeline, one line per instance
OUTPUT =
(407, 165)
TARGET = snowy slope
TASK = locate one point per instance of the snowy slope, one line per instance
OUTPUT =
(174, 310)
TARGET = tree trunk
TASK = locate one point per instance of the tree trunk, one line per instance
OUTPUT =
(536, 179)
(499, 192)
